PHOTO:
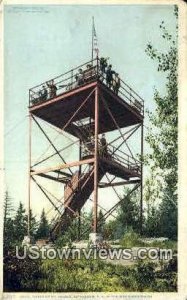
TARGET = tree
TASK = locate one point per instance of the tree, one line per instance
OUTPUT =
(8, 207)
(33, 224)
(152, 228)
(162, 136)
(129, 212)
(43, 229)
(152, 212)
(111, 230)
(20, 223)
(8, 229)
(128, 217)
(85, 226)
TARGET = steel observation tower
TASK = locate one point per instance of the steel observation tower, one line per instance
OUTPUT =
(85, 109)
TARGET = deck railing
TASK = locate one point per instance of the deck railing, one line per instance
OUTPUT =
(71, 80)
(123, 158)
(114, 154)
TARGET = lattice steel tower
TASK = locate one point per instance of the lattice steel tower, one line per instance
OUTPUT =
(81, 104)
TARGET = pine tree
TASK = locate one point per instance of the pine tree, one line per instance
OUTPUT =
(33, 224)
(129, 212)
(43, 229)
(20, 223)
(8, 207)
(8, 228)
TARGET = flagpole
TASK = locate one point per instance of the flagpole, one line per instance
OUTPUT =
(92, 36)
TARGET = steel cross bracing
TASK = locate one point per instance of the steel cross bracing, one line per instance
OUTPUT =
(120, 164)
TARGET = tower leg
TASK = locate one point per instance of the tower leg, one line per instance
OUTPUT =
(141, 187)
(80, 171)
(27, 239)
(96, 161)
(29, 176)
(79, 225)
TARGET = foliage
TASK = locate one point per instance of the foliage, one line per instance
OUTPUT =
(86, 224)
(152, 225)
(15, 226)
(33, 224)
(128, 217)
(169, 244)
(62, 241)
(81, 275)
(20, 274)
(20, 223)
(43, 229)
(144, 274)
(167, 277)
(8, 229)
(77, 275)
(8, 207)
(73, 233)
(162, 136)
(131, 239)
(111, 230)
(128, 212)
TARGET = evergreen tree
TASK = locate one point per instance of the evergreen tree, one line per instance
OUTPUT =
(162, 136)
(128, 217)
(8, 229)
(20, 223)
(33, 224)
(8, 207)
(85, 226)
(129, 212)
(43, 229)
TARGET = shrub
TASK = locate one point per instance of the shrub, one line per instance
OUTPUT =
(19, 274)
(131, 239)
(169, 244)
(78, 276)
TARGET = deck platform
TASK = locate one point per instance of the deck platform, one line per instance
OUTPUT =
(59, 110)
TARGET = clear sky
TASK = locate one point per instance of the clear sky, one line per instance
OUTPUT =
(44, 41)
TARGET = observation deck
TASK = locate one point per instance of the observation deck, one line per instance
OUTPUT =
(127, 106)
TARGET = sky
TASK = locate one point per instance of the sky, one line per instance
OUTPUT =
(44, 41)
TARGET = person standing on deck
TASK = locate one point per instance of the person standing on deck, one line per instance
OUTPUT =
(103, 65)
(44, 93)
(109, 76)
(116, 83)
(52, 89)
(79, 77)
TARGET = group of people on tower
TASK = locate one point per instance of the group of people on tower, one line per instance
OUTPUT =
(102, 145)
(112, 78)
(103, 72)
(86, 75)
(43, 93)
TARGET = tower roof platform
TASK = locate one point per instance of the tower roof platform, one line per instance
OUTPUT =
(127, 106)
